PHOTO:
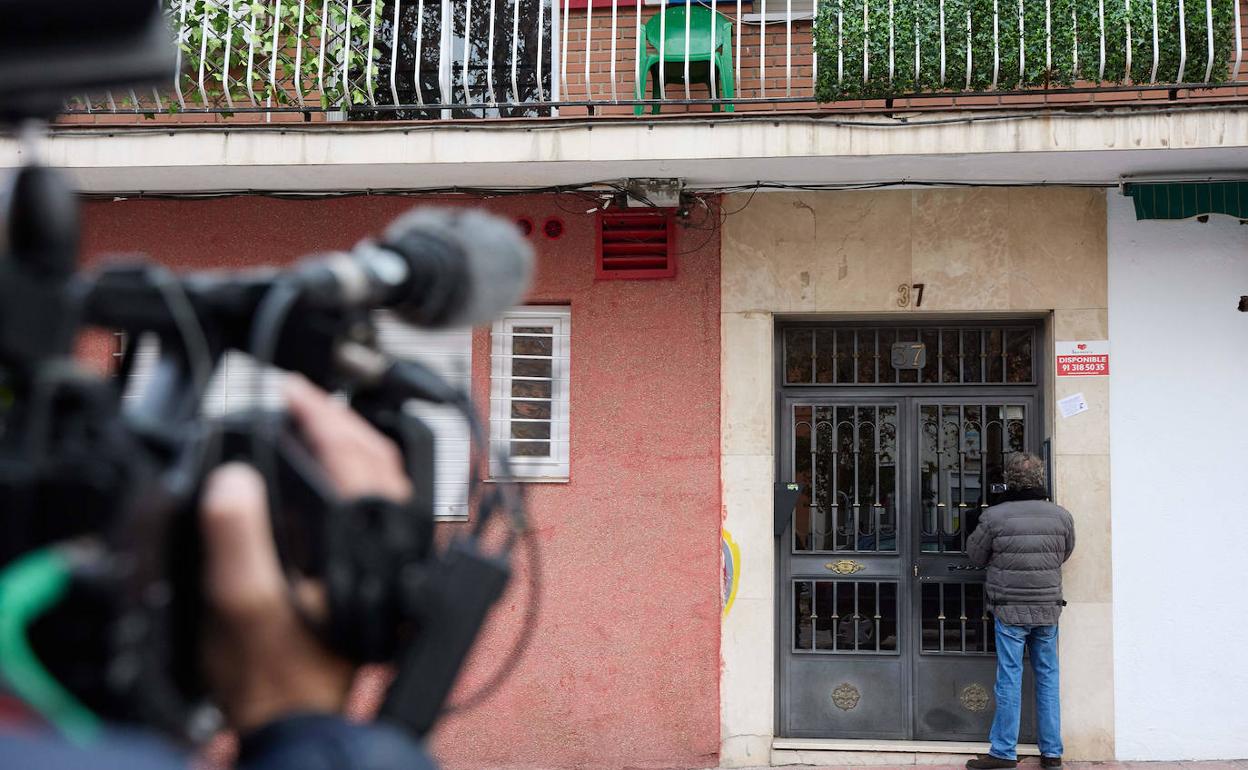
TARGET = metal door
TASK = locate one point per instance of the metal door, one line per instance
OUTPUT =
(961, 446)
(883, 631)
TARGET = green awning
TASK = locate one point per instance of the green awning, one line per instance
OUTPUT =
(1184, 200)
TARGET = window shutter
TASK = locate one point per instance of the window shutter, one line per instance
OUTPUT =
(636, 244)
(529, 392)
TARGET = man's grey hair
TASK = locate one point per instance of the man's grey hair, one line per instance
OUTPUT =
(1024, 471)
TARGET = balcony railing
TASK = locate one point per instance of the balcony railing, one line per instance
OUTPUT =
(301, 60)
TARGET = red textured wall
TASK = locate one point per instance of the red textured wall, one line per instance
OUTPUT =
(624, 668)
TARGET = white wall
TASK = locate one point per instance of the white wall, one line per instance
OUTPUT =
(1179, 464)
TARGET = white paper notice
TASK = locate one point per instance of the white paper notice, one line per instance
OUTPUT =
(1072, 405)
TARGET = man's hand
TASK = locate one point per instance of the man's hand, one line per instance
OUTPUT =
(261, 661)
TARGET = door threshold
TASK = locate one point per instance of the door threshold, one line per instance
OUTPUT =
(875, 751)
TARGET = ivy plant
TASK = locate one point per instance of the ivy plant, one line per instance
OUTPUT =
(871, 49)
(272, 49)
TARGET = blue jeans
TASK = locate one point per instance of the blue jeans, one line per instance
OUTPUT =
(1041, 644)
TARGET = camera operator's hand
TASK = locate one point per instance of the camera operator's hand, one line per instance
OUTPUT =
(261, 660)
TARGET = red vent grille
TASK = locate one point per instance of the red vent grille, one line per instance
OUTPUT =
(636, 244)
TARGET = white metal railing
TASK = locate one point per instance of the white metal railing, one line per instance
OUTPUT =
(498, 58)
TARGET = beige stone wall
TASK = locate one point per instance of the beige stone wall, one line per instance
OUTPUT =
(977, 250)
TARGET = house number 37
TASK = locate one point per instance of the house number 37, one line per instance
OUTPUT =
(910, 295)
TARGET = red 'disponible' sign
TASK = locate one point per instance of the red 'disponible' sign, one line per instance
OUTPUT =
(1083, 358)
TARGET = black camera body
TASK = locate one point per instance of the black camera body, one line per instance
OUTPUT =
(50, 50)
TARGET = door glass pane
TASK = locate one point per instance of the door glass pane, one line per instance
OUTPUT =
(846, 457)
(954, 620)
(845, 616)
(962, 451)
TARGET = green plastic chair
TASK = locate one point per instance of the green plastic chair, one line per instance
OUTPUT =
(701, 57)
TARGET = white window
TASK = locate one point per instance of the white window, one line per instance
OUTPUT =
(239, 384)
(529, 382)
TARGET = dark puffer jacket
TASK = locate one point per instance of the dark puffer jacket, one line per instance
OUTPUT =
(1023, 543)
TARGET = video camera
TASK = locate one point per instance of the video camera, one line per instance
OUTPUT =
(101, 607)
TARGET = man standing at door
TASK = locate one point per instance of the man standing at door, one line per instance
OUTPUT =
(1023, 541)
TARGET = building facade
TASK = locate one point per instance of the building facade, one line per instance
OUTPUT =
(758, 419)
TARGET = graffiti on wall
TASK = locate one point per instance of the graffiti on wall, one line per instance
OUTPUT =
(731, 576)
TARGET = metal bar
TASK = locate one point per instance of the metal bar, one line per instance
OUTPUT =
(251, 55)
(983, 456)
(1074, 27)
(983, 357)
(1239, 43)
(814, 58)
(177, 65)
(688, 22)
(346, 58)
(942, 42)
(299, 53)
(878, 630)
(996, 42)
(917, 56)
(615, 34)
(446, 27)
(1152, 78)
(762, 52)
(563, 58)
(1048, 36)
(639, 47)
(420, 51)
(962, 475)
(962, 613)
(836, 487)
(788, 45)
(857, 590)
(589, 54)
(1100, 72)
(205, 31)
(740, 29)
(515, 49)
(814, 362)
(875, 525)
(876, 335)
(277, 31)
(229, 47)
(968, 49)
(1182, 42)
(372, 43)
(1127, 75)
(1022, 48)
(1209, 38)
(541, 40)
(940, 588)
(892, 40)
(320, 57)
(814, 481)
(866, 60)
(714, 62)
(662, 65)
(467, 51)
(489, 53)
(814, 613)
(840, 78)
(836, 612)
(857, 439)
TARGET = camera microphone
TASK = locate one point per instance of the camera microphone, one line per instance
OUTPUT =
(433, 268)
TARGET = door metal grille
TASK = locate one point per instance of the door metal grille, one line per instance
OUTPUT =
(846, 459)
(845, 616)
(956, 355)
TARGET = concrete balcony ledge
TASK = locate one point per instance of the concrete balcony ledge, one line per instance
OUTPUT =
(1055, 147)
